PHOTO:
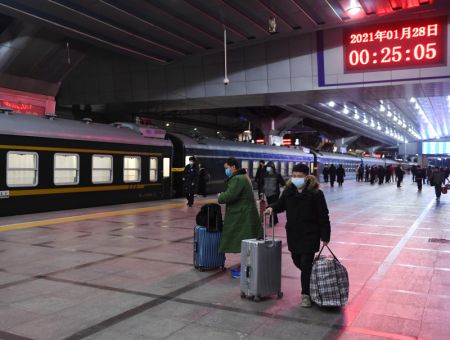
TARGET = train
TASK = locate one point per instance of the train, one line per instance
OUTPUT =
(48, 163)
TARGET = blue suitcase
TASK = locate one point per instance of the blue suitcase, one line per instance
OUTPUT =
(206, 249)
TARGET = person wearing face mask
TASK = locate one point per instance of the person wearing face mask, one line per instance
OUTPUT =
(241, 219)
(190, 180)
(271, 188)
(307, 223)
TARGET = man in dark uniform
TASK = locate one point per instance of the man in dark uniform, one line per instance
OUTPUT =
(332, 173)
(420, 175)
(190, 180)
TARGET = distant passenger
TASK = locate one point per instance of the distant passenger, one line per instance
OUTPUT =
(241, 220)
(392, 170)
(413, 173)
(429, 173)
(367, 173)
(325, 173)
(190, 180)
(307, 222)
(420, 175)
(272, 183)
(381, 173)
(437, 178)
(332, 172)
(373, 174)
(203, 179)
(259, 177)
(399, 175)
(387, 173)
(360, 173)
(340, 173)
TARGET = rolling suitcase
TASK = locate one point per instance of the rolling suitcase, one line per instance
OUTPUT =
(261, 266)
(206, 247)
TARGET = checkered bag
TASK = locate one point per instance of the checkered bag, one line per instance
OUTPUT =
(329, 281)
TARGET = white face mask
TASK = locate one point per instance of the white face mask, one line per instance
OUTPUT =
(298, 182)
(191, 163)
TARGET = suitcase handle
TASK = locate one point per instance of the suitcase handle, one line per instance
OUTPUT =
(273, 228)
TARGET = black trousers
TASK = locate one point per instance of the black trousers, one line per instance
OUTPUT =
(438, 190)
(304, 262)
(190, 196)
(270, 200)
(419, 183)
(399, 181)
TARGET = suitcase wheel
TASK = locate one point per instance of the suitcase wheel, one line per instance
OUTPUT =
(280, 295)
(256, 298)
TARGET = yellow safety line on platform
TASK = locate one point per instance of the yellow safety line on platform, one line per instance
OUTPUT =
(42, 223)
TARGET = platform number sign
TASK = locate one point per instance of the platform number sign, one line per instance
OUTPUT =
(407, 44)
(4, 194)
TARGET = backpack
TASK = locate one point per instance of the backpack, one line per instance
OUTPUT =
(214, 212)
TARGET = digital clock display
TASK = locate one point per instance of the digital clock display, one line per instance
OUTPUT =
(396, 45)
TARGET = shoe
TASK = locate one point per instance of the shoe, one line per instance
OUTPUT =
(235, 273)
(306, 301)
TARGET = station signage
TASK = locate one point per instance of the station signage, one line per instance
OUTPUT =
(406, 44)
(435, 148)
(24, 107)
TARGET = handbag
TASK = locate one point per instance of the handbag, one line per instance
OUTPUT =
(329, 285)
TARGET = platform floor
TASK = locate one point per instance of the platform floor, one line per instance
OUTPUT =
(125, 272)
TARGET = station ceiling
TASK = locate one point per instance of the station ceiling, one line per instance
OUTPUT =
(166, 31)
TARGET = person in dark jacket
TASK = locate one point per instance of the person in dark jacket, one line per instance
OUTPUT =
(190, 180)
(429, 172)
(399, 175)
(272, 183)
(332, 172)
(413, 173)
(367, 173)
(325, 173)
(373, 174)
(307, 222)
(420, 175)
(340, 174)
(203, 179)
(380, 174)
(259, 178)
(437, 177)
(387, 174)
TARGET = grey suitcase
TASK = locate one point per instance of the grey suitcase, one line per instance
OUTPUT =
(261, 267)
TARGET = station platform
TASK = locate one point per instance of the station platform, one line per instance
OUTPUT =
(125, 272)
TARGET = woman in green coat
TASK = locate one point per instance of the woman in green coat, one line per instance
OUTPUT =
(241, 217)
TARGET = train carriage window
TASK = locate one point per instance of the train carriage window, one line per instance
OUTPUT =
(153, 169)
(244, 165)
(275, 163)
(21, 169)
(102, 169)
(186, 160)
(166, 167)
(283, 168)
(291, 166)
(66, 169)
(131, 169)
(255, 167)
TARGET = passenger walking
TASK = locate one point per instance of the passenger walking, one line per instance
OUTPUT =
(326, 173)
(387, 174)
(360, 173)
(307, 222)
(332, 172)
(340, 173)
(373, 174)
(413, 173)
(203, 179)
(272, 183)
(241, 219)
(399, 175)
(367, 173)
(420, 174)
(190, 180)
(437, 178)
(429, 172)
(259, 177)
(380, 174)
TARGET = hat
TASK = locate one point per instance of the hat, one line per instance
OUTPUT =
(301, 168)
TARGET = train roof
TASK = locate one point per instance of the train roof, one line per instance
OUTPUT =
(219, 144)
(25, 125)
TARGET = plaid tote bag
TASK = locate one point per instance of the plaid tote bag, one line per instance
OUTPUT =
(329, 281)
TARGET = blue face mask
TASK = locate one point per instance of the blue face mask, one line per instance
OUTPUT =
(298, 182)
(228, 172)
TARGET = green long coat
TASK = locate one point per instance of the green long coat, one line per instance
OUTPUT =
(241, 217)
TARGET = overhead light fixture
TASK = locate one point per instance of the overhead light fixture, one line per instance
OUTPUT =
(365, 121)
(354, 7)
(389, 114)
(382, 108)
(167, 124)
(331, 103)
(272, 25)
(395, 118)
(346, 110)
(412, 100)
(356, 116)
